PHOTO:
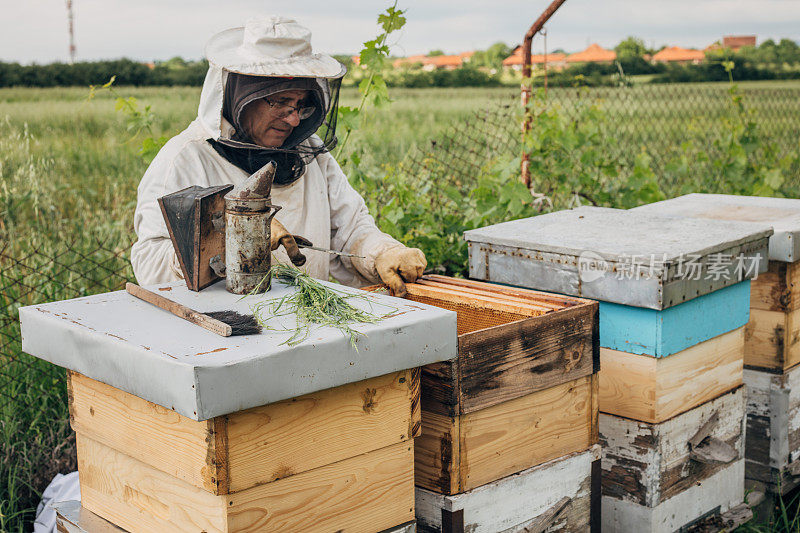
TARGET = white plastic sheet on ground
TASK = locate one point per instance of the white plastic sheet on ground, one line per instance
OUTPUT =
(63, 487)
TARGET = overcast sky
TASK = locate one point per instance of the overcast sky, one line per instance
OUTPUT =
(36, 30)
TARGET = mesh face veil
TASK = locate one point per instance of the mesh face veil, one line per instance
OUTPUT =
(241, 90)
(301, 146)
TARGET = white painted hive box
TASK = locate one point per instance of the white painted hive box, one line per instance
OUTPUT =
(619, 256)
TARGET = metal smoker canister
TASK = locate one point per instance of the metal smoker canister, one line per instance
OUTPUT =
(248, 215)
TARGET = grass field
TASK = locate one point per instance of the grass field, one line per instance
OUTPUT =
(69, 171)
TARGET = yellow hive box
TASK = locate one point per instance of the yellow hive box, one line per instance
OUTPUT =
(338, 459)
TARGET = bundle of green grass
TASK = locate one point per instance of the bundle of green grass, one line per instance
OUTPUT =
(312, 304)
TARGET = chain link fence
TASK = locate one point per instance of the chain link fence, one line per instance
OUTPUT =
(37, 442)
(658, 119)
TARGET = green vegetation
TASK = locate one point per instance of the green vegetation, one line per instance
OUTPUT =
(630, 48)
(175, 71)
(491, 58)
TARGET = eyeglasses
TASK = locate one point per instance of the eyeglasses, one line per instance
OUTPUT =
(283, 110)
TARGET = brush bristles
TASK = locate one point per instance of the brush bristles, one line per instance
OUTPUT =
(240, 324)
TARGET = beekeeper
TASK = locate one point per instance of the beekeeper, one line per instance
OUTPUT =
(267, 97)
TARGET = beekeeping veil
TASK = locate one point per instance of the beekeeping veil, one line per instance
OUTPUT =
(267, 56)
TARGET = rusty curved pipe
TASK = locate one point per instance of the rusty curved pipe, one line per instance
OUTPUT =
(526, 73)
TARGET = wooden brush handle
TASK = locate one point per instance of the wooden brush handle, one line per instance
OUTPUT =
(204, 321)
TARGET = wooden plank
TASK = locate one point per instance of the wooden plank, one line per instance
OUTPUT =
(177, 445)
(628, 384)
(791, 342)
(649, 463)
(437, 457)
(773, 339)
(772, 448)
(534, 307)
(459, 453)
(594, 411)
(415, 395)
(472, 315)
(793, 285)
(370, 492)
(652, 390)
(765, 335)
(455, 296)
(719, 492)
(769, 290)
(292, 436)
(139, 498)
(255, 446)
(524, 432)
(440, 388)
(517, 501)
(509, 361)
(554, 300)
(669, 331)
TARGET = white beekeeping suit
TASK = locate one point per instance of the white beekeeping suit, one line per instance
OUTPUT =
(320, 206)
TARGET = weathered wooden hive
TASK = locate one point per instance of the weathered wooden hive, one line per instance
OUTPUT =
(179, 429)
(772, 336)
(509, 427)
(671, 347)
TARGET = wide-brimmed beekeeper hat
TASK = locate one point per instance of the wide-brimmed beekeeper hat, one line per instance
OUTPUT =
(271, 46)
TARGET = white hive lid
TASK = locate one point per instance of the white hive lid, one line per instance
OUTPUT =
(141, 349)
(617, 234)
(783, 214)
(630, 257)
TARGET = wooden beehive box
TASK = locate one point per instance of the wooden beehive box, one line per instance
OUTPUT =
(521, 392)
(772, 335)
(650, 389)
(179, 429)
(336, 459)
(663, 477)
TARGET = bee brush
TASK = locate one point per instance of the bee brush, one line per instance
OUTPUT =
(225, 323)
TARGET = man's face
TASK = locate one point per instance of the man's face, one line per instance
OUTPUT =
(262, 123)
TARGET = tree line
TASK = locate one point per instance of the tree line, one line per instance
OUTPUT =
(176, 71)
(769, 61)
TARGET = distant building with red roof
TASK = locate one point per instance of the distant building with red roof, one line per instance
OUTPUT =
(735, 42)
(554, 61)
(445, 62)
(593, 54)
(676, 54)
(429, 63)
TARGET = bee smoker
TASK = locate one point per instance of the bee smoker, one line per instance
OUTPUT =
(248, 215)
